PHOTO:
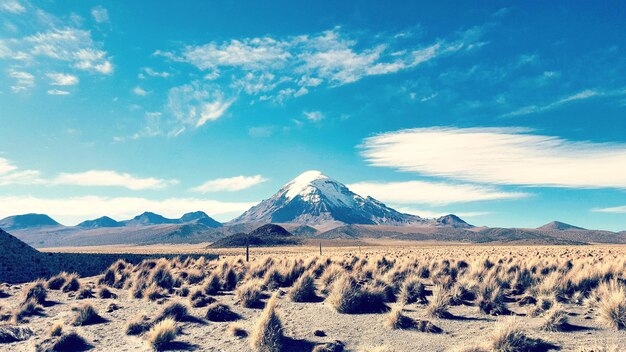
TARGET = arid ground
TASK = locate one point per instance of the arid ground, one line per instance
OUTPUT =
(397, 297)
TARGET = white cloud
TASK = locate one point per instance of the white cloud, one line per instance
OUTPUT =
(616, 210)
(72, 210)
(230, 184)
(6, 166)
(12, 6)
(153, 73)
(57, 92)
(24, 81)
(62, 79)
(100, 14)
(314, 116)
(140, 91)
(192, 105)
(512, 156)
(432, 193)
(110, 178)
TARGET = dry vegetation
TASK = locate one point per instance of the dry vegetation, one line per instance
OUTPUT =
(534, 298)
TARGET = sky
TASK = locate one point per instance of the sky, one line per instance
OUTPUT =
(506, 114)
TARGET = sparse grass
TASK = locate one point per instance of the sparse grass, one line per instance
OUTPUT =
(137, 325)
(70, 341)
(555, 319)
(162, 333)
(26, 309)
(268, 332)
(508, 336)
(439, 304)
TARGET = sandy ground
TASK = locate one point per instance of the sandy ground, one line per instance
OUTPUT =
(358, 332)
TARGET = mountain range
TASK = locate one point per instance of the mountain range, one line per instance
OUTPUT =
(311, 205)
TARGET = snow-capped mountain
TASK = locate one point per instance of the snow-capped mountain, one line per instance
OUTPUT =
(313, 198)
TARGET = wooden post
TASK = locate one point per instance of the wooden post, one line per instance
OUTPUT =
(320, 247)
(247, 249)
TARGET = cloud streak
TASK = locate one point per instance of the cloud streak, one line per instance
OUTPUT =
(111, 179)
(230, 184)
(508, 156)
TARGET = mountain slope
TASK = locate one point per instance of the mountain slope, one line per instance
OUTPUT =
(25, 221)
(313, 199)
(147, 218)
(200, 217)
(559, 226)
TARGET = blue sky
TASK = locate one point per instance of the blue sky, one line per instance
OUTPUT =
(508, 115)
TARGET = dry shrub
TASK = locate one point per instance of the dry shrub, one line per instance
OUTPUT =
(10, 333)
(36, 292)
(105, 293)
(493, 302)
(351, 297)
(26, 309)
(229, 281)
(71, 283)
(86, 314)
(412, 291)
(213, 285)
(108, 279)
(161, 276)
(153, 293)
(250, 293)
(509, 336)
(220, 312)
(543, 304)
(56, 329)
(175, 310)
(304, 289)
(612, 307)
(555, 319)
(70, 341)
(268, 333)
(198, 299)
(56, 282)
(439, 304)
(84, 293)
(137, 325)
(162, 333)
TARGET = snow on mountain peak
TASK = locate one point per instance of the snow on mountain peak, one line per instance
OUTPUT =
(310, 185)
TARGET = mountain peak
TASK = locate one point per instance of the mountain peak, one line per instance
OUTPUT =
(304, 181)
(24, 221)
(557, 225)
(103, 221)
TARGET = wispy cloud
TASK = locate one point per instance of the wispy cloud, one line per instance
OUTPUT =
(292, 65)
(24, 81)
(111, 179)
(12, 6)
(58, 92)
(616, 210)
(192, 105)
(72, 210)
(140, 91)
(230, 184)
(147, 71)
(582, 95)
(314, 116)
(514, 156)
(100, 14)
(431, 193)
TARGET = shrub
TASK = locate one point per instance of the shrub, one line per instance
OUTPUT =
(137, 326)
(230, 280)
(162, 333)
(493, 302)
(153, 293)
(105, 293)
(70, 341)
(162, 277)
(71, 283)
(555, 320)
(108, 279)
(36, 292)
(56, 282)
(396, 320)
(84, 293)
(220, 312)
(250, 293)
(26, 309)
(56, 329)
(86, 314)
(612, 308)
(175, 310)
(268, 333)
(439, 304)
(509, 336)
(237, 331)
(198, 299)
(351, 297)
(304, 289)
(213, 285)
(412, 291)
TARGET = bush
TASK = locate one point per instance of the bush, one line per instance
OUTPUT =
(71, 283)
(175, 310)
(137, 326)
(268, 333)
(220, 312)
(412, 291)
(349, 296)
(57, 282)
(250, 293)
(213, 285)
(86, 314)
(612, 308)
(162, 333)
(36, 292)
(439, 304)
(304, 289)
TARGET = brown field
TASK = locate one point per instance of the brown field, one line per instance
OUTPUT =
(392, 296)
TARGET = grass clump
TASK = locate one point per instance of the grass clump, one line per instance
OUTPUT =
(56, 282)
(351, 297)
(162, 333)
(237, 331)
(439, 304)
(137, 326)
(555, 320)
(396, 320)
(86, 314)
(70, 341)
(304, 289)
(250, 293)
(612, 308)
(175, 310)
(220, 312)
(71, 283)
(36, 292)
(412, 291)
(268, 333)
(56, 329)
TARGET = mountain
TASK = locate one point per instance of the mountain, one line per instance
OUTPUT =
(200, 217)
(313, 199)
(104, 221)
(558, 226)
(25, 221)
(148, 218)
(453, 221)
(264, 236)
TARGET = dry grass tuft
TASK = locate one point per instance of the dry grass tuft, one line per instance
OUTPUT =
(175, 310)
(36, 292)
(237, 330)
(349, 296)
(71, 283)
(509, 336)
(412, 291)
(70, 341)
(268, 333)
(304, 289)
(220, 312)
(612, 308)
(86, 314)
(56, 329)
(26, 309)
(56, 282)
(439, 304)
(137, 325)
(555, 320)
(250, 293)
(162, 333)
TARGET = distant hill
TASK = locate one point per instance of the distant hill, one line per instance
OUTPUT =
(25, 221)
(148, 218)
(453, 221)
(264, 236)
(559, 226)
(200, 217)
(104, 221)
